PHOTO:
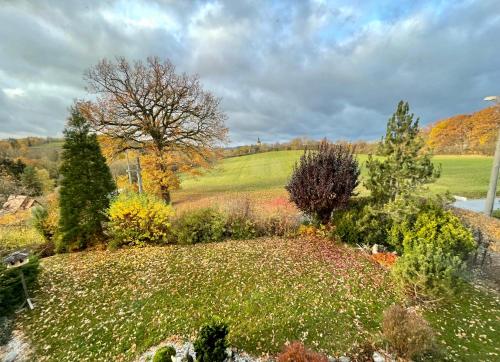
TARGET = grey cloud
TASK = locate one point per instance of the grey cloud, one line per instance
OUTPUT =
(284, 69)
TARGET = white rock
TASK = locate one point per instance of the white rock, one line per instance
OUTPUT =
(377, 357)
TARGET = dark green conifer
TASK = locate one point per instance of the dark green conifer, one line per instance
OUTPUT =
(405, 166)
(86, 185)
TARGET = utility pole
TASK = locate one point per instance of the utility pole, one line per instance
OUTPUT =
(492, 189)
(139, 176)
(129, 171)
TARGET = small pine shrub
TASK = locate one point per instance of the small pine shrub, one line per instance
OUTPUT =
(324, 180)
(164, 354)
(406, 332)
(11, 289)
(434, 250)
(426, 271)
(139, 219)
(296, 352)
(200, 226)
(211, 344)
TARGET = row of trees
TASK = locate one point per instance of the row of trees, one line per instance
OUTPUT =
(302, 143)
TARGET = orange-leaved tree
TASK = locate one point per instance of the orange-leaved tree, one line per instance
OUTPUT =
(466, 133)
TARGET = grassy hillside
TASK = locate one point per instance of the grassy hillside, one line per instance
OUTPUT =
(461, 175)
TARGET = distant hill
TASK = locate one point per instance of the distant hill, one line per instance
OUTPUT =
(474, 133)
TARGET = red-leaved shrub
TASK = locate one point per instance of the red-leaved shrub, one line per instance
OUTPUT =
(296, 352)
(324, 180)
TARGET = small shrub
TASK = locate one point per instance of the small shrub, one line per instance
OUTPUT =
(434, 250)
(211, 344)
(280, 224)
(442, 229)
(11, 289)
(406, 332)
(240, 229)
(296, 352)
(361, 224)
(362, 352)
(241, 222)
(139, 219)
(164, 354)
(427, 271)
(46, 219)
(324, 181)
(200, 226)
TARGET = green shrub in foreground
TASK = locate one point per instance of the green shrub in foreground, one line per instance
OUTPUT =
(164, 354)
(361, 224)
(434, 249)
(442, 229)
(427, 271)
(211, 344)
(200, 226)
(11, 289)
(139, 219)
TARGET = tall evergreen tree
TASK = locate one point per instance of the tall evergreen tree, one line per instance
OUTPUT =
(86, 185)
(405, 166)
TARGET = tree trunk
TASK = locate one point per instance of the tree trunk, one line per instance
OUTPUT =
(165, 193)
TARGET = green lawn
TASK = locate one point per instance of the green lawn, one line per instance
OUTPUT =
(461, 175)
(114, 305)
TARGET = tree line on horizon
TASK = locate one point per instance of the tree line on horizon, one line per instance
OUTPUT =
(474, 133)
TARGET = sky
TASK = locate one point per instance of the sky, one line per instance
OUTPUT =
(283, 69)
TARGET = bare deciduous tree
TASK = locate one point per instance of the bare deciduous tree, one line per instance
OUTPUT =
(147, 105)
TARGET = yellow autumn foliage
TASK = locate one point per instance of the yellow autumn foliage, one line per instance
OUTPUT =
(139, 219)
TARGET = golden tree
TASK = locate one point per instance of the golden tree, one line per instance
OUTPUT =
(148, 107)
(466, 133)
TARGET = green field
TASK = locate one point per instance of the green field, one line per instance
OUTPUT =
(461, 175)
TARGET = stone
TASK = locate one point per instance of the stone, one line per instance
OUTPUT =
(377, 357)
(344, 359)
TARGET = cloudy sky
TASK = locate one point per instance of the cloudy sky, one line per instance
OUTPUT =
(331, 69)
